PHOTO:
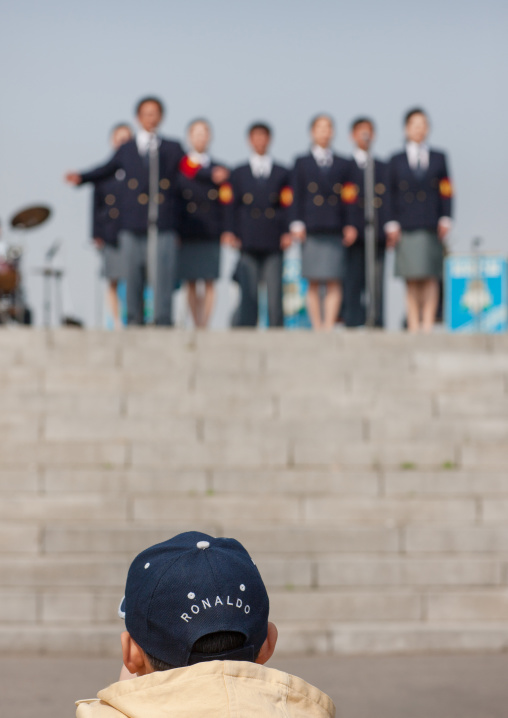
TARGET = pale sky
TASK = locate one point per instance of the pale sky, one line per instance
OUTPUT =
(72, 70)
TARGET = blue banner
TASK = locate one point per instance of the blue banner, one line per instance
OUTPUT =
(476, 297)
(294, 289)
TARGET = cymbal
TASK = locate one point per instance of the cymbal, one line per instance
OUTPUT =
(30, 217)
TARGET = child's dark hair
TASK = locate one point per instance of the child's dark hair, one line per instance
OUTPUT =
(210, 644)
(120, 126)
(144, 100)
(321, 116)
(199, 121)
(361, 121)
(260, 126)
(414, 111)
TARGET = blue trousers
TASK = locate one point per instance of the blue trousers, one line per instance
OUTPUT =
(253, 268)
(134, 247)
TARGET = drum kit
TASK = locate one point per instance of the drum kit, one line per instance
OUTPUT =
(13, 307)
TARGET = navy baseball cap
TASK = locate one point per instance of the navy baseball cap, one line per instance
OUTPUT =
(188, 587)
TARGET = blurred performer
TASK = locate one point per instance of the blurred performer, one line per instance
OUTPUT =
(354, 310)
(106, 223)
(257, 222)
(322, 220)
(422, 198)
(134, 158)
(202, 221)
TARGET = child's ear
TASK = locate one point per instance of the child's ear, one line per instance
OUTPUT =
(133, 655)
(268, 646)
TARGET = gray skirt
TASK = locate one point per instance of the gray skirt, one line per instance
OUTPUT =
(199, 260)
(323, 258)
(112, 266)
(419, 255)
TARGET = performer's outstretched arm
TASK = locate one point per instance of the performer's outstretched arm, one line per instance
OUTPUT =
(99, 173)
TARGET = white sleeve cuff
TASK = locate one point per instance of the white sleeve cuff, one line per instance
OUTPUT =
(446, 222)
(297, 226)
(392, 226)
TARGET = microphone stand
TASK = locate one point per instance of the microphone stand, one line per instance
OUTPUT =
(98, 294)
(477, 281)
(48, 274)
(153, 215)
(370, 240)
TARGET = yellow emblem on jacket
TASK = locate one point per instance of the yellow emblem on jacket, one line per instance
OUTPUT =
(286, 197)
(349, 193)
(225, 193)
(446, 188)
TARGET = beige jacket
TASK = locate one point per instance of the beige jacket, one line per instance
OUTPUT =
(217, 689)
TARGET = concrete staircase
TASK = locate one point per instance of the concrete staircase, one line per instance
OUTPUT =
(365, 472)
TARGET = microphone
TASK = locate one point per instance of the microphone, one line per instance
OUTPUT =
(53, 250)
(366, 137)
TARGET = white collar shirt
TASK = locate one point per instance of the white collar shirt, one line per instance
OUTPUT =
(144, 141)
(200, 158)
(360, 157)
(261, 165)
(322, 155)
(417, 155)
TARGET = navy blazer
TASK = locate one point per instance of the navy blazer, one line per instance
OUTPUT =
(419, 201)
(202, 213)
(257, 213)
(322, 195)
(382, 199)
(134, 203)
(107, 200)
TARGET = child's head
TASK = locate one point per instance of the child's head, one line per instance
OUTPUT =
(362, 132)
(322, 130)
(260, 135)
(191, 599)
(149, 113)
(199, 133)
(416, 125)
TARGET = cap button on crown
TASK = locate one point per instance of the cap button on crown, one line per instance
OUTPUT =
(203, 544)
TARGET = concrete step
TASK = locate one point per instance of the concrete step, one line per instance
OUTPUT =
(406, 482)
(311, 637)
(286, 541)
(234, 509)
(78, 607)
(60, 571)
